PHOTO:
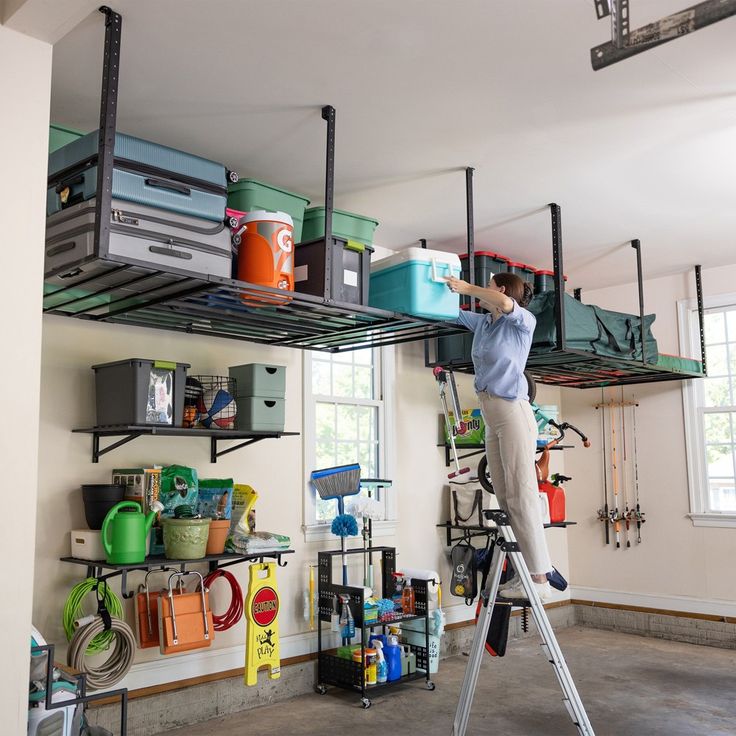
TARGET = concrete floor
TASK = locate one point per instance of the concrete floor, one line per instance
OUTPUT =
(629, 685)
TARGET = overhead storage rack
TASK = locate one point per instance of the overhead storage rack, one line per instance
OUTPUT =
(562, 365)
(110, 288)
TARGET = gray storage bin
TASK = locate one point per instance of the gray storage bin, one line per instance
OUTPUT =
(256, 414)
(259, 379)
(140, 391)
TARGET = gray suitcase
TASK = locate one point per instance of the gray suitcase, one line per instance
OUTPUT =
(139, 235)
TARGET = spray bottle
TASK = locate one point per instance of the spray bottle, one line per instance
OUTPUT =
(381, 666)
(347, 623)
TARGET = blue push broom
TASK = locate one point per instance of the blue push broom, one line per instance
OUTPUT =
(336, 483)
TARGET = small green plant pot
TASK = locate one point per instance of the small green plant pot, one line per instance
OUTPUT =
(185, 539)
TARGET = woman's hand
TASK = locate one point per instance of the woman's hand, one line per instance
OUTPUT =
(458, 285)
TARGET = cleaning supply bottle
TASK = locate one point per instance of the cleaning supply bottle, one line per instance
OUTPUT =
(334, 616)
(407, 599)
(347, 623)
(381, 666)
(392, 653)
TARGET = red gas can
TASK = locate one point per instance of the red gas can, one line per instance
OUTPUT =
(556, 498)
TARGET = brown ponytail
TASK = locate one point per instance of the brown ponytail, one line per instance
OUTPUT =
(515, 287)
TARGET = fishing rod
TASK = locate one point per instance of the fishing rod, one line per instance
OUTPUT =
(639, 514)
(603, 513)
(614, 474)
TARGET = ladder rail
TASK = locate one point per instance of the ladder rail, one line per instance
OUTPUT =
(503, 548)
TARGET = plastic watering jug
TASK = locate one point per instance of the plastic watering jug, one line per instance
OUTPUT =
(124, 533)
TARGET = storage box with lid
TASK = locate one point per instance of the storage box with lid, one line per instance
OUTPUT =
(140, 391)
(523, 270)
(260, 391)
(413, 281)
(348, 270)
(544, 280)
(248, 195)
(259, 379)
(345, 225)
(486, 264)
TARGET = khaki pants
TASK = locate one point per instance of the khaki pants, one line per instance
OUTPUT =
(511, 441)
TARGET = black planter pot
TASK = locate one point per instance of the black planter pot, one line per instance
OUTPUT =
(99, 498)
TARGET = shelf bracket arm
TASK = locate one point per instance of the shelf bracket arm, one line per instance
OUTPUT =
(214, 454)
(97, 452)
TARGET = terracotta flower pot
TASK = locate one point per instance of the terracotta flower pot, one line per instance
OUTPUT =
(219, 529)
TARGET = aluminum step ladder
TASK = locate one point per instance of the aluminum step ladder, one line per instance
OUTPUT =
(507, 546)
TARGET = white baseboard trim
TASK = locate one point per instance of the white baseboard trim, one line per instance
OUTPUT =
(684, 604)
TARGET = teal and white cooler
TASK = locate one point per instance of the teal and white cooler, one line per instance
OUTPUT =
(414, 282)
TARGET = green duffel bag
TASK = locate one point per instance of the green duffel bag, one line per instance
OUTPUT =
(620, 335)
(581, 324)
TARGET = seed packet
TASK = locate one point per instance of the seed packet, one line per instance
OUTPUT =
(215, 498)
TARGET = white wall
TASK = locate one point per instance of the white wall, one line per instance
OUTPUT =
(25, 84)
(677, 566)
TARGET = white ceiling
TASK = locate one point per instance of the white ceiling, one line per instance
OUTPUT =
(643, 149)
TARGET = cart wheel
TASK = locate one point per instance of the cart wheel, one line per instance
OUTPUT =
(430, 685)
(233, 176)
(366, 703)
(320, 689)
(483, 478)
(233, 221)
(236, 240)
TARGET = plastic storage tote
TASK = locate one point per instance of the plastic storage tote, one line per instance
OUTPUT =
(256, 414)
(345, 225)
(259, 379)
(59, 136)
(154, 175)
(349, 273)
(140, 391)
(523, 270)
(248, 195)
(544, 280)
(487, 263)
(413, 282)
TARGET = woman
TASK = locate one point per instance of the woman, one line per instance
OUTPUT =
(501, 345)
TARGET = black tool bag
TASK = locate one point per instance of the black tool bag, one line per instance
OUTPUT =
(498, 631)
(464, 582)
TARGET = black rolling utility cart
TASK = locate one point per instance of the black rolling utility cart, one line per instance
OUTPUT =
(345, 673)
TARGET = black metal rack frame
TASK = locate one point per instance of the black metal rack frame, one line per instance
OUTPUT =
(81, 682)
(118, 290)
(568, 367)
(471, 531)
(349, 675)
(153, 562)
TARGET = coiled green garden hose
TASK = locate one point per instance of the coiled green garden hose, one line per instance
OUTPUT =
(73, 611)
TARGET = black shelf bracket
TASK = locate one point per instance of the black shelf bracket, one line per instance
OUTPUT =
(214, 454)
(97, 452)
(95, 568)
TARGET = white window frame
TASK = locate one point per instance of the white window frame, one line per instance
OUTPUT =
(384, 380)
(694, 439)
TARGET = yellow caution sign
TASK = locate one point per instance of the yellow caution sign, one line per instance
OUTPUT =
(261, 611)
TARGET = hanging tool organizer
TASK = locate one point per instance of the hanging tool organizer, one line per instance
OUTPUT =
(621, 512)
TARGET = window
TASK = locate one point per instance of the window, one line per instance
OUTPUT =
(346, 410)
(710, 413)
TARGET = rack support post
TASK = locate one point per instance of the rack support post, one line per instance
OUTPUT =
(470, 225)
(701, 316)
(558, 277)
(636, 245)
(108, 121)
(328, 115)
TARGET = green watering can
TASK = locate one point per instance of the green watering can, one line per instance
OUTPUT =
(124, 534)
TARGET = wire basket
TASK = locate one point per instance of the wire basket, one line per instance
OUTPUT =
(209, 402)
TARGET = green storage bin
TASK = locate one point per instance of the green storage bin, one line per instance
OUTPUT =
(259, 379)
(345, 225)
(59, 136)
(248, 195)
(256, 414)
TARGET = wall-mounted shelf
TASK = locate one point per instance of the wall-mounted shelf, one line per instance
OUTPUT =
(470, 532)
(153, 562)
(130, 431)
